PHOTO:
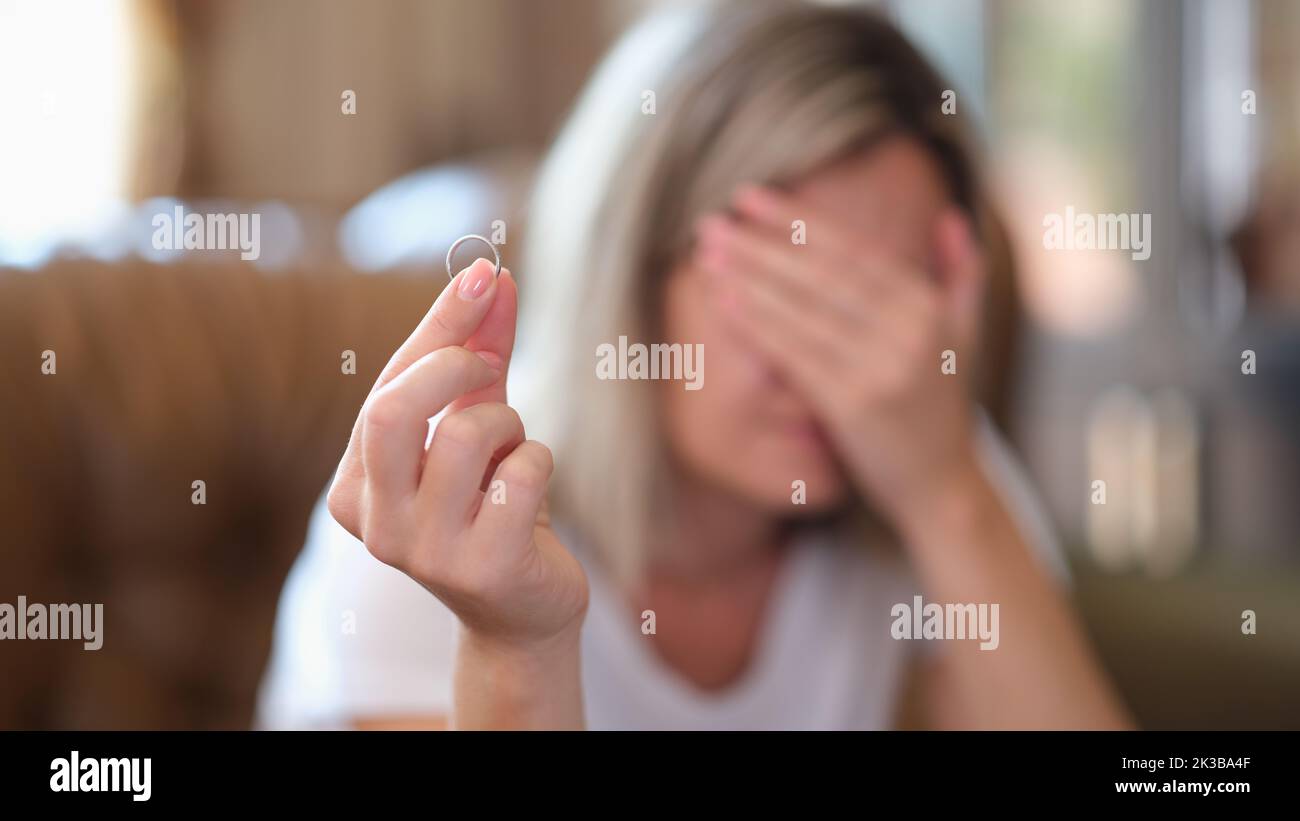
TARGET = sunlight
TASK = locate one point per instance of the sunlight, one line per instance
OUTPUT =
(64, 150)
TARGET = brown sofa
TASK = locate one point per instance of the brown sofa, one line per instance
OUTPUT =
(165, 376)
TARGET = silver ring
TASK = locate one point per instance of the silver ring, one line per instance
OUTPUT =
(452, 251)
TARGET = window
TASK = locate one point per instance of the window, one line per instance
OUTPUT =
(66, 145)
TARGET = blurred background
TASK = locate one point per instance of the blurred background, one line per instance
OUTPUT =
(176, 367)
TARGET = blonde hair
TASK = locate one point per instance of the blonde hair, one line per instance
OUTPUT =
(742, 92)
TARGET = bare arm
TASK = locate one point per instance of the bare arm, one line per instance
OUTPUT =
(503, 687)
(966, 548)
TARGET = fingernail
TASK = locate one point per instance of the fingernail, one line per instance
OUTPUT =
(493, 361)
(474, 280)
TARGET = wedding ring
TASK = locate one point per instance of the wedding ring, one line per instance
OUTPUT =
(452, 251)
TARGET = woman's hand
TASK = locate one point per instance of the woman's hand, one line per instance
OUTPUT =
(860, 334)
(491, 557)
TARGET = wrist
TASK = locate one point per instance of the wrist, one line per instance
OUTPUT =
(952, 499)
(531, 653)
(513, 684)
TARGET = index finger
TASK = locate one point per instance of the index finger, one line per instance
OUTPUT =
(494, 341)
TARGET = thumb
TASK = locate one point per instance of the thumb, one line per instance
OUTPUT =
(962, 273)
(494, 341)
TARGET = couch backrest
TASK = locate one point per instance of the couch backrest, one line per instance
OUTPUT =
(164, 376)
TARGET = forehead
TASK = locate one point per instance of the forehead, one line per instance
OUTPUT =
(891, 193)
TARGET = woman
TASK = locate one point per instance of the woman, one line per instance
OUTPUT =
(790, 197)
